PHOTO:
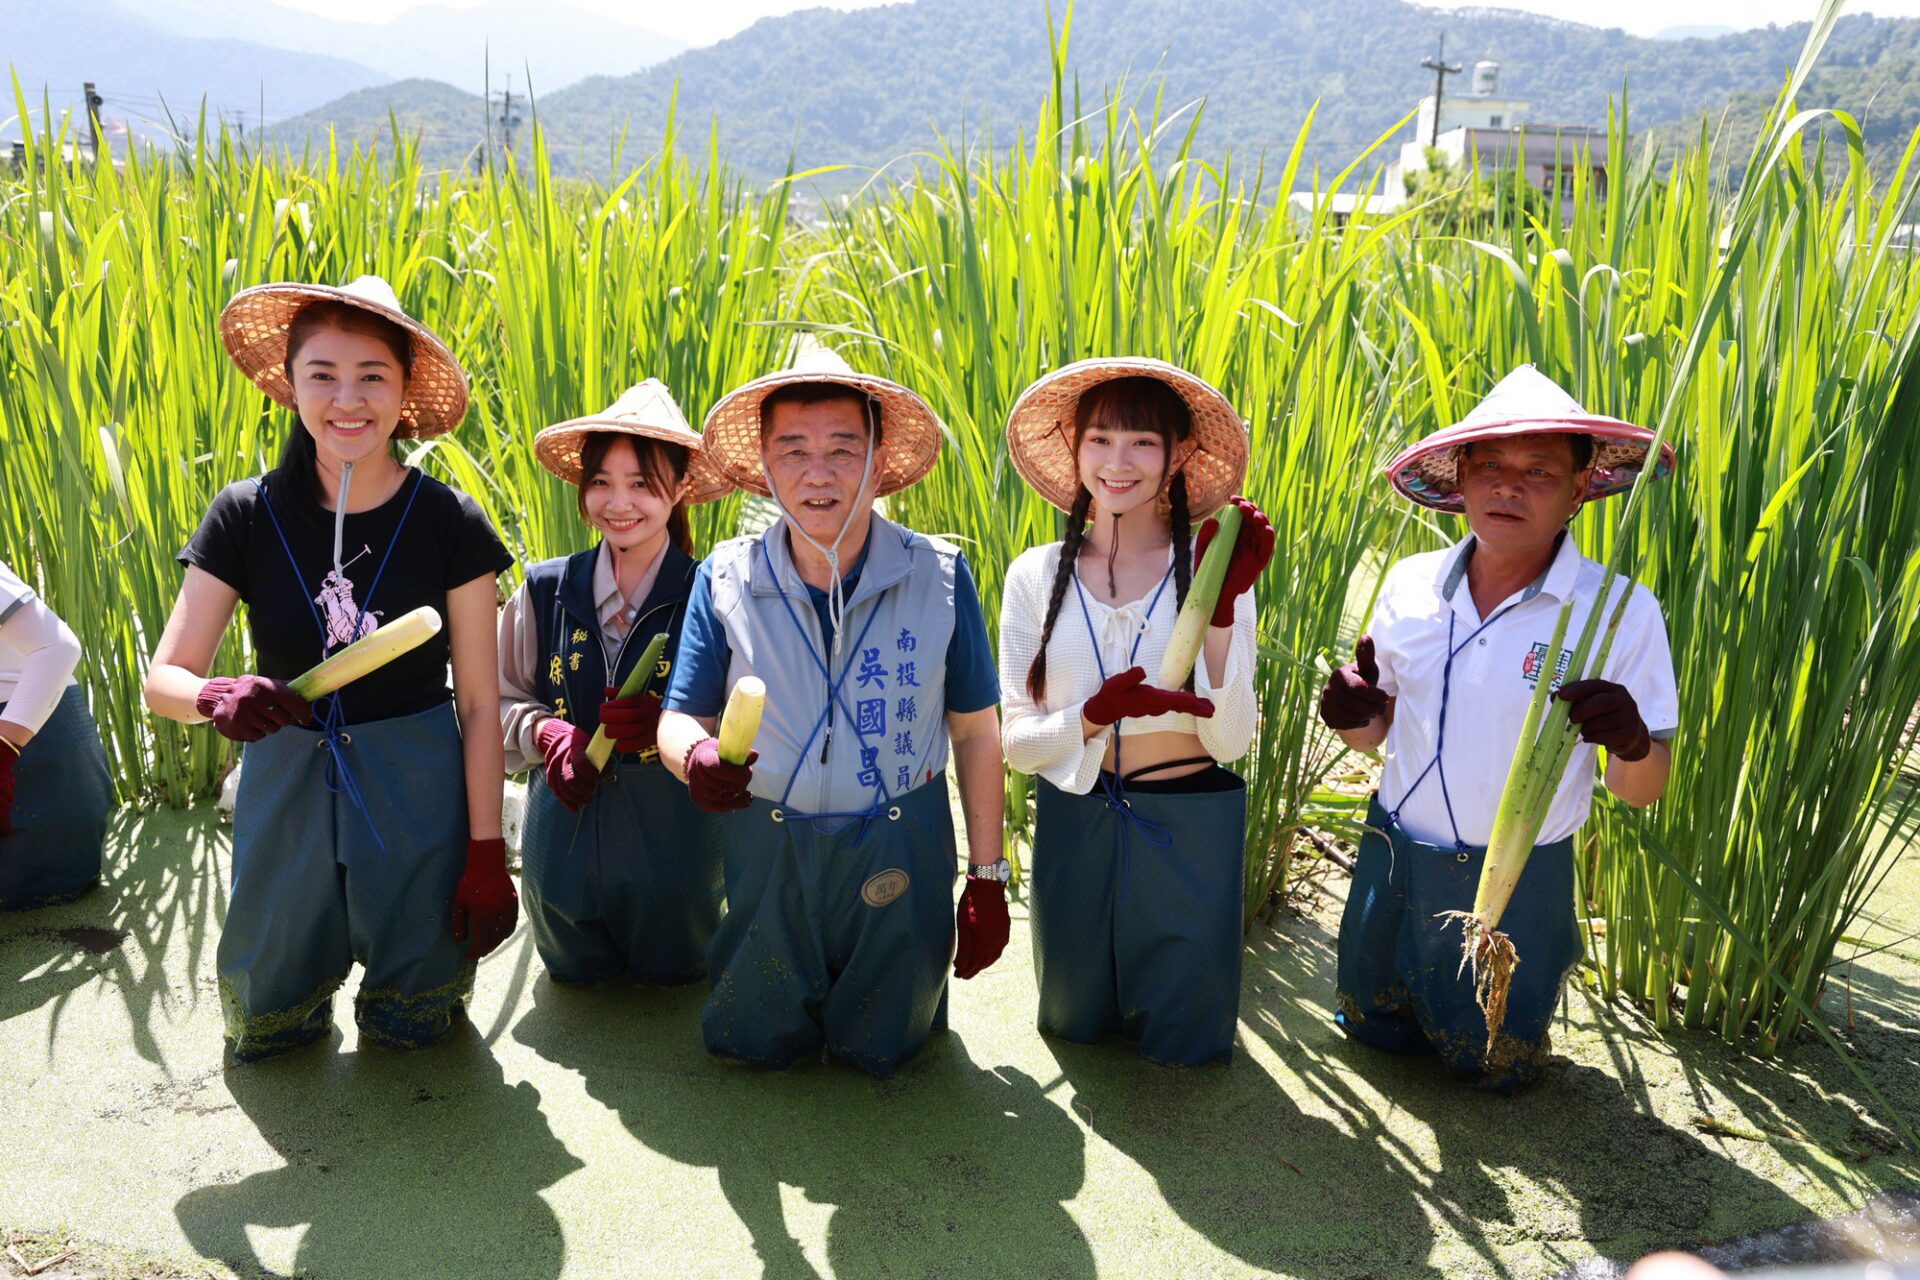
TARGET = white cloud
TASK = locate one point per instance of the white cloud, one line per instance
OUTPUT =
(696, 24)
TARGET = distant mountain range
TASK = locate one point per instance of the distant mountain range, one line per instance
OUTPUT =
(546, 42)
(867, 87)
(53, 46)
(250, 59)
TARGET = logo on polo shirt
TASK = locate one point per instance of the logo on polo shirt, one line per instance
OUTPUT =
(1537, 658)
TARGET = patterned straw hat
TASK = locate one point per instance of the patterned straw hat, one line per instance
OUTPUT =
(647, 410)
(1040, 432)
(909, 428)
(254, 328)
(1525, 402)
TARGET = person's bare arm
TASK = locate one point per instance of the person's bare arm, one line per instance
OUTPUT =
(982, 774)
(678, 734)
(201, 614)
(1641, 782)
(474, 636)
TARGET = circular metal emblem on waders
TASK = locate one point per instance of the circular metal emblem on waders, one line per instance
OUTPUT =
(883, 887)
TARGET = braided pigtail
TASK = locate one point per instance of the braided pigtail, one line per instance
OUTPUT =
(1182, 522)
(1076, 536)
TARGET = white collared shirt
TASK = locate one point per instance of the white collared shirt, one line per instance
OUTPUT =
(616, 611)
(1492, 681)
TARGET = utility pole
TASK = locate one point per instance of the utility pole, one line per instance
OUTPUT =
(1441, 70)
(94, 102)
(509, 118)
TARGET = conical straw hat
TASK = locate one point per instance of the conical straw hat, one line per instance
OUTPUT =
(646, 409)
(909, 428)
(254, 324)
(1040, 432)
(1525, 402)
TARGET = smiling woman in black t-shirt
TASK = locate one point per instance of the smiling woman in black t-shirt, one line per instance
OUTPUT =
(368, 825)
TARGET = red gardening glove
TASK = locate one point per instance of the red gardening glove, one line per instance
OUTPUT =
(714, 785)
(630, 722)
(1608, 717)
(570, 775)
(485, 905)
(248, 708)
(1352, 697)
(1127, 696)
(981, 922)
(1252, 552)
(8, 754)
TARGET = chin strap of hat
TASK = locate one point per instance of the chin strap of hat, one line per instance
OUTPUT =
(340, 516)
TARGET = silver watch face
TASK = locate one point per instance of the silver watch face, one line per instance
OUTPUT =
(1000, 872)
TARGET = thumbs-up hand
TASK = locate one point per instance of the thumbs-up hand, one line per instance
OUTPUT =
(1352, 698)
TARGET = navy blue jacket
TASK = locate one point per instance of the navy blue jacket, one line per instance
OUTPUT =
(560, 593)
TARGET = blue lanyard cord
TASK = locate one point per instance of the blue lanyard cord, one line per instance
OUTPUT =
(882, 805)
(1113, 786)
(338, 777)
(1440, 738)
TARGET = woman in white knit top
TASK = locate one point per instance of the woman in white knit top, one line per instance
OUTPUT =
(1139, 832)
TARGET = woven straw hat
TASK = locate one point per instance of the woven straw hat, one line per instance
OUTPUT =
(648, 410)
(1525, 402)
(254, 328)
(1040, 432)
(909, 428)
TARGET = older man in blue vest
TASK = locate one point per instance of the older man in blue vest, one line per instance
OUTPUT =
(839, 843)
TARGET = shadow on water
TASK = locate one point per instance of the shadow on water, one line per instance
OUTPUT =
(162, 887)
(948, 1169)
(396, 1164)
(1258, 1168)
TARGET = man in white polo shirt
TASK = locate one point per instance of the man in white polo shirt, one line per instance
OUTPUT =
(1442, 680)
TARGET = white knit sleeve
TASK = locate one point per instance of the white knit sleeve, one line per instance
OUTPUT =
(48, 656)
(1228, 733)
(1035, 740)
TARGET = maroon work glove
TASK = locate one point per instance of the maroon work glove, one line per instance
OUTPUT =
(1252, 552)
(630, 722)
(248, 708)
(485, 904)
(570, 775)
(981, 922)
(1127, 695)
(714, 785)
(1608, 717)
(1352, 697)
(8, 754)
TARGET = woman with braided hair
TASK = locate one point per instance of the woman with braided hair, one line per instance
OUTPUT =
(1140, 831)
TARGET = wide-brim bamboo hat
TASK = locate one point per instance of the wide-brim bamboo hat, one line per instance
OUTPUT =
(254, 329)
(1040, 432)
(1525, 402)
(649, 411)
(909, 429)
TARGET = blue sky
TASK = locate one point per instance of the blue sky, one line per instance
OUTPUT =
(712, 20)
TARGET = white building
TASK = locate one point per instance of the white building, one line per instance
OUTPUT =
(1482, 128)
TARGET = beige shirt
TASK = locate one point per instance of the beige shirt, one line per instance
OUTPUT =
(522, 709)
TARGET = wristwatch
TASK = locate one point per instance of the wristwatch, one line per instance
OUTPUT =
(999, 872)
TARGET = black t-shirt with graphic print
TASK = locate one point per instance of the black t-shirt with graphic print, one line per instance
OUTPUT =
(446, 542)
